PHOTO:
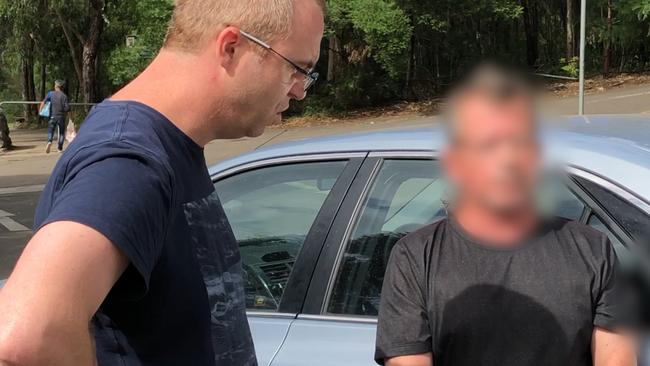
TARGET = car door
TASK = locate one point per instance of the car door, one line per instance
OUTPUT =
(394, 194)
(625, 218)
(280, 211)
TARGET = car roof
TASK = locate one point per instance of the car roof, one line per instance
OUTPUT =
(615, 147)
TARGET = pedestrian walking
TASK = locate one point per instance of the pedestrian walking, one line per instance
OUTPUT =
(58, 110)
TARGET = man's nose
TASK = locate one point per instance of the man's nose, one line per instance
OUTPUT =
(298, 91)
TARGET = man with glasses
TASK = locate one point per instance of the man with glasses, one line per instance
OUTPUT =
(133, 261)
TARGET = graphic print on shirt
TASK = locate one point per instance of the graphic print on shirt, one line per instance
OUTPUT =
(220, 263)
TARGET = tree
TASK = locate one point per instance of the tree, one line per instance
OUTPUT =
(22, 19)
(83, 30)
(607, 44)
(570, 29)
(531, 28)
(145, 22)
(374, 51)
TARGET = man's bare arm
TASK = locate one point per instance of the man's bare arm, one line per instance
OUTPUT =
(59, 282)
(613, 349)
(425, 359)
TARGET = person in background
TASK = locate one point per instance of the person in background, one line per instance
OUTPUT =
(496, 283)
(4, 132)
(133, 261)
(59, 108)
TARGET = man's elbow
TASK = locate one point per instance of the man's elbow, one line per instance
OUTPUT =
(15, 355)
(56, 343)
(19, 348)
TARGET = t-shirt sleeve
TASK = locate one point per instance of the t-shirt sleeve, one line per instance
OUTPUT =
(615, 305)
(128, 200)
(403, 325)
(48, 97)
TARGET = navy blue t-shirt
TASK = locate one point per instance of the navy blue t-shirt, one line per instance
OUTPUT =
(136, 178)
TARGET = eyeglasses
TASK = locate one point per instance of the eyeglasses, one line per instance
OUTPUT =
(310, 76)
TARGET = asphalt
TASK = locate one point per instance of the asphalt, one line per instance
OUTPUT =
(16, 220)
(24, 171)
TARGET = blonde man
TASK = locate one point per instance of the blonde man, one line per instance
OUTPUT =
(133, 261)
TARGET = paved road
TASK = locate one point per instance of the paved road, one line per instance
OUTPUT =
(29, 167)
(630, 99)
(16, 220)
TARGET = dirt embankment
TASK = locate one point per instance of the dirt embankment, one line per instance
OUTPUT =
(431, 107)
(598, 84)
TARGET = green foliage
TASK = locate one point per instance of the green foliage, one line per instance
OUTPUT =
(146, 21)
(383, 50)
(380, 29)
(571, 67)
(642, 8)
(125, 63)
(505, 9)
(385, 29)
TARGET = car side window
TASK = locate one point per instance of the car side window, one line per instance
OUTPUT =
(271, 211)
(556, 199)
(405, 195)
(622, 252)
(629, 217)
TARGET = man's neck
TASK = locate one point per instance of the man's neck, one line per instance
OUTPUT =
(499, 228)
(171, 86)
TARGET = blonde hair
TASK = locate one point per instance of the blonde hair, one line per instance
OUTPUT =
(195, 21)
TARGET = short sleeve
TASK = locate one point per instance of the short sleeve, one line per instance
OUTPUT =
(403, 325)
(48, 97)
(615, 305)
(125, 198)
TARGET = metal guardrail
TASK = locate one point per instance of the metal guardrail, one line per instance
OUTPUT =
(22, 102)
(14, 102)
(556, 77)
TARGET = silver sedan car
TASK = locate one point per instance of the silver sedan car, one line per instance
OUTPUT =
(316, 221)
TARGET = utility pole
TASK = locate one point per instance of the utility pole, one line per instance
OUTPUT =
(583, 26)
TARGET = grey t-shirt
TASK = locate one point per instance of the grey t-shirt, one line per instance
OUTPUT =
(473, 304)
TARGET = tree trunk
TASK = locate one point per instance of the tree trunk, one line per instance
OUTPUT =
(4, 132)
(607, 44)
(43, 77)
(409, 68)
(570, 31)
(74, 55)
(91, 50)
(27, 68)
(531, 29)
(333, 57)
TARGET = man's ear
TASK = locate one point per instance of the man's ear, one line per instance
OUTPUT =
(229, 45)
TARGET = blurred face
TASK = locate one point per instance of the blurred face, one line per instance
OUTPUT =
(493, 161)
(267, 82)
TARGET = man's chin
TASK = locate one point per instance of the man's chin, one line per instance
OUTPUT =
(256, 133)
(511, 208)
(258, 130)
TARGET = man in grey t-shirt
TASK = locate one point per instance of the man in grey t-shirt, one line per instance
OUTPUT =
(495, 283)
(59, 109)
